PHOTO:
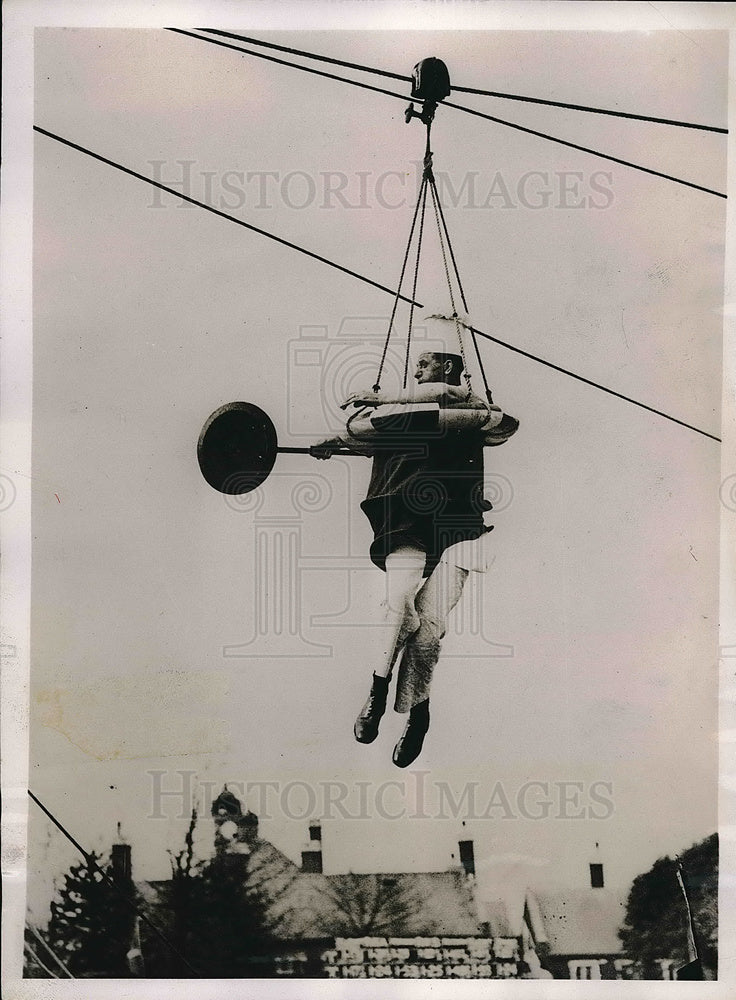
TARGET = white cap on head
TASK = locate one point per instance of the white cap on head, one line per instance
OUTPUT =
(440, 333)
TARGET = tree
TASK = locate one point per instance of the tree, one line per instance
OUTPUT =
(91, 924)
(174, 911)
(215, 914)
(369, 905)
(229, 929)
(656, 921)
(38, 962)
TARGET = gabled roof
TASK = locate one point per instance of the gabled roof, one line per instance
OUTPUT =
(571, 921)
(494, 913)
(306, 905)
(404, 904)
(582, 921)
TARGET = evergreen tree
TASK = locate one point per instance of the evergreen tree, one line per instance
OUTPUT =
(229, 928)
(37, 962)
(91, 924)
(215, 913)
(656, 917)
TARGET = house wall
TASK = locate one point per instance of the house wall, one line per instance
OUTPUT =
(588, 967)
(417, 958)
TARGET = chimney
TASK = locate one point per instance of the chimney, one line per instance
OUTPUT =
(467, 856)
(312, 853)
(122, 868)
(596, 876)
(596, 871)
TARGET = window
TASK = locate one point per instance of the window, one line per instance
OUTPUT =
(667, 967)
(624, 968)
(589, 969)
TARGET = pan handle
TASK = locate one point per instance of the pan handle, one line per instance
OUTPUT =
(308, 451)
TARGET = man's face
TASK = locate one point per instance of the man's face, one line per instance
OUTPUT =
(429, 369)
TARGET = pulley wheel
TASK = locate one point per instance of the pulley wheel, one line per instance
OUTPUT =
(237, 448)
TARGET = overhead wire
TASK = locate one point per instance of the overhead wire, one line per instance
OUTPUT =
(360, 277)
(593, 111)
(595, 385)
(46, 969)
(213, 210)
(91, 863)
(286, 62)
(50, 950)
(457, 107)
(583, 149)
(442, 226)
(307, 55)
(464, 90)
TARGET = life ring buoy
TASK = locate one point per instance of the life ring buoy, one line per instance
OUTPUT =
(419, 420)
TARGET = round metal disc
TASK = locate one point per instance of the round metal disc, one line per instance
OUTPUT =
(237, 448)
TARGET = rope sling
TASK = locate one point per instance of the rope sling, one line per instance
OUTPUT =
(431, 90)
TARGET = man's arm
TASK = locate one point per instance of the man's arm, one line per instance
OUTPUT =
(470, 402)
(331, 446)
(427, 392)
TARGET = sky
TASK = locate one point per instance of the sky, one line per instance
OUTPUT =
(586, 659)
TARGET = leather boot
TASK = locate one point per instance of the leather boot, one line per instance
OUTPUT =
(410, 742)
(366, 725)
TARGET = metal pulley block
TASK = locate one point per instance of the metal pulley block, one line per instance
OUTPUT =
(430, 84)
(430, 80)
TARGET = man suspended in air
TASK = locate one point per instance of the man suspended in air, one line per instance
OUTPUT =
(425, 505)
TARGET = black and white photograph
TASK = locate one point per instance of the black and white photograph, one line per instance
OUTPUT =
(369, 497)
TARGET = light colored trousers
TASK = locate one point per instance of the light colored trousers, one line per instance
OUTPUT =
(416, 612)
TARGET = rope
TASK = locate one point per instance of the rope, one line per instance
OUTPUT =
(441, 216)
(442, 246)
(377, 386)
(473, 336)
(463, 90)
(449, 245)
(369, 281)
(466, 372)
(489, 394)
(428, 182)
(438, 206)
(414, 286)
(458, 107)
